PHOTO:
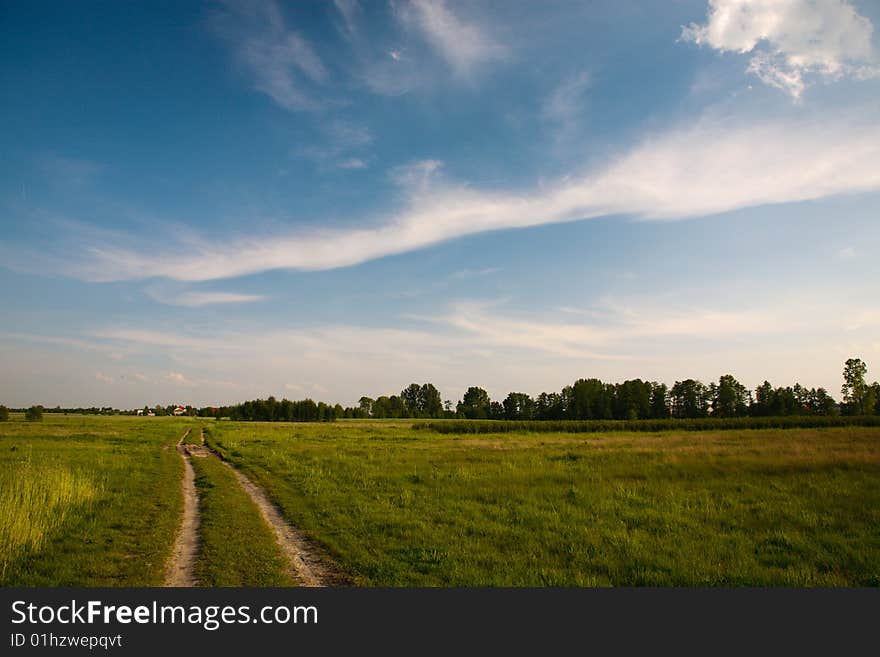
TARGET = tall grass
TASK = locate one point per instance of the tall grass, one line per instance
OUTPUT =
(35, 501)
(88, 501)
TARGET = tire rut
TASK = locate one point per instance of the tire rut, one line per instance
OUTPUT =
(308, 566)
(180, 570)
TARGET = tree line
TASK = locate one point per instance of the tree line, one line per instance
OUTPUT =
(636, 399)
(585, 399)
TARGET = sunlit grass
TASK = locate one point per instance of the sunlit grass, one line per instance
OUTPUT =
(798, 507)
(36, 500)
(88, 501)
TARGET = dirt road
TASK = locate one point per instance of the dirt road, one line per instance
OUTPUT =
(307, 566)
(180, 570)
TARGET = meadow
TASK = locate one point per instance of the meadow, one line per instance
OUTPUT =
(84, 501)
(401, 507)
(97, 501)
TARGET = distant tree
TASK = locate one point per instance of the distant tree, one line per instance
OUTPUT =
(365, 405)
(34, 414)
(729, 398)
(631, 400)
(822, 403)
(518, 406)
(588, 399)
(410, 398)
(659, 402)
(763, 400)
(689, 399)
(855, 389)
(549, 406)
(475, 404)
(430, 403)
(4, 413)
(382, 407)
(872, 399)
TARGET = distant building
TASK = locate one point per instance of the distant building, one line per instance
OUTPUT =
(140, 411)
(179, 410)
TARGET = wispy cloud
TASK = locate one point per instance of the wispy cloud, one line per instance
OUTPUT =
(463, 274)
(466, 46)
(349, 11)
(177, 378)
(197, 299)
(343, 146)
(612, 324)
(710, 166)
(792, 40)
(281, 61)
(353, 163)
(470, 341)
(564, 105)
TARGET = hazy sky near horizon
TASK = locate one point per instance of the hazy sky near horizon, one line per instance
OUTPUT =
(210, 202)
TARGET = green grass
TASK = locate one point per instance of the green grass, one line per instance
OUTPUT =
(96, 501)
(35, 501)
(237, 547)
(194, 437)
(88, 501)
(401, 507)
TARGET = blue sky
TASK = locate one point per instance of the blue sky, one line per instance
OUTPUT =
(209, 202)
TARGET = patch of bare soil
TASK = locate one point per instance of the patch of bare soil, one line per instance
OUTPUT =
(180, 570)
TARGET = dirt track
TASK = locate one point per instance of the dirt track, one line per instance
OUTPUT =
(308, 566)
(180, 570)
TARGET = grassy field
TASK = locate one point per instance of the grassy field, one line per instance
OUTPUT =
(87, 500)
(237, 547)
(97, 501)
(402, 507)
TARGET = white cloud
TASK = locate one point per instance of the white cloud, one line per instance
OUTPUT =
(790, 39)
(195, 299)
(464, 45)
(283, 64)
(709, 166)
